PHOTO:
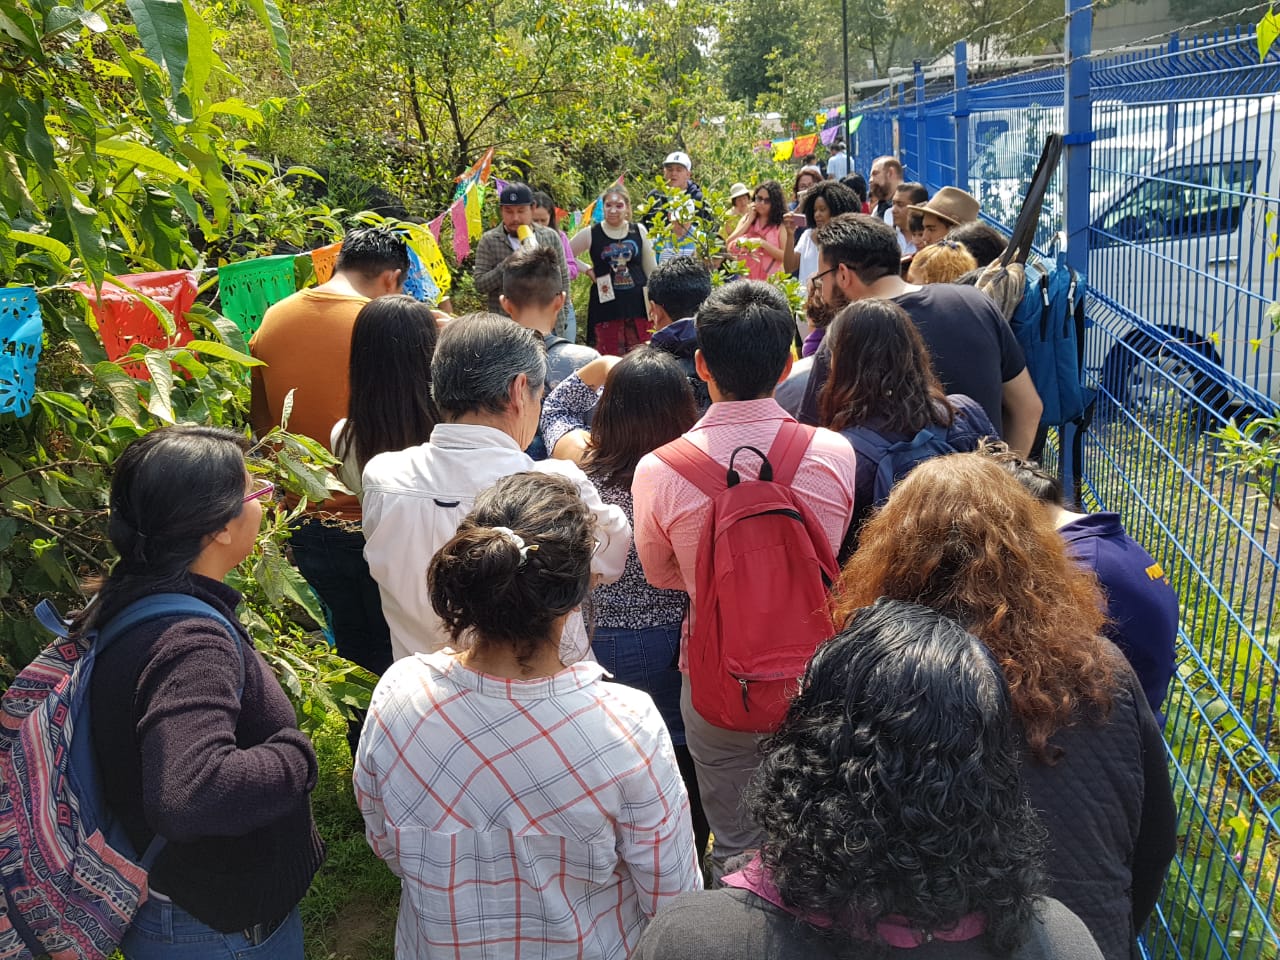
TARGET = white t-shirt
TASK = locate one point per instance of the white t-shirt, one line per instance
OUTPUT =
(808, 251)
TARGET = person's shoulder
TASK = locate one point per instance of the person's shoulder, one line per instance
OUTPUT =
(566, 469)
(721, 925)
(1059, 934)
(280, 318)
(409, 676)
(392, 465)
(631, 707)
(831, 445)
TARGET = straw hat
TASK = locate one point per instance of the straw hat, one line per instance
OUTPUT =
(950, 204)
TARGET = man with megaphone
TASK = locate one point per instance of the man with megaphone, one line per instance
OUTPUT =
(516, 231)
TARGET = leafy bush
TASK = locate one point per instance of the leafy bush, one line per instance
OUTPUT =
(117, 159)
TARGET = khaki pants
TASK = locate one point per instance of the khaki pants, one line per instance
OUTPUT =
(725, 761)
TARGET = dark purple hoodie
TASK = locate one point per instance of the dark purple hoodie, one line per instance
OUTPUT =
(1141, 605)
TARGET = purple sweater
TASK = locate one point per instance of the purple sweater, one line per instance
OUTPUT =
(227, 781)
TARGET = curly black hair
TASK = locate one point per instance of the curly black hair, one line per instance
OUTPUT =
(893, 786)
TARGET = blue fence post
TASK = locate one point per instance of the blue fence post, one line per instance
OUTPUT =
(1171, 111)
(922, 136)
(1078, 113)
(961, 115)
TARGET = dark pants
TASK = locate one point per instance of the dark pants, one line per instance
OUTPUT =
(331, 558)
(647, 660)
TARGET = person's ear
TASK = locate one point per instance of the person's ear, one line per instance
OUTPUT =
(700, 364)
(223, 536)
(558, 303)
(504, 303)
(393, 280)
(786, 369)
(518, 393)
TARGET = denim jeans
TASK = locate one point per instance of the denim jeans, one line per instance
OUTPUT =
(647, 660)
(331, 558)
(162, 930)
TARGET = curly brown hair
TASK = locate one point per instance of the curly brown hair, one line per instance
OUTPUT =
(943, 262)
(960, 535)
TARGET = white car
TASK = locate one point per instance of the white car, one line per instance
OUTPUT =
(1185, 242)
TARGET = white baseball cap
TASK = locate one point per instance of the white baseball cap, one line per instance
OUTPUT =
(680, 158)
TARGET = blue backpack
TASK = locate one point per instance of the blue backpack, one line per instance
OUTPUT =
(71, 879)
(1049, 325)
(895, 459)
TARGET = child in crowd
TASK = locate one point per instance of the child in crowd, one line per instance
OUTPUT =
(531, 294)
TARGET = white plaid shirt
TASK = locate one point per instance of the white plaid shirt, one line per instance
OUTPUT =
(527, 820)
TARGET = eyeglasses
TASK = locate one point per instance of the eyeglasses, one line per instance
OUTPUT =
(764, 199)
(816, 279)
(261, 489)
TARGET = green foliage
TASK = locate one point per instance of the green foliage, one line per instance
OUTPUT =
(349, 912)
(117, 159)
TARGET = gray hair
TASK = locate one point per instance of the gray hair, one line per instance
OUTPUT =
(477, 357)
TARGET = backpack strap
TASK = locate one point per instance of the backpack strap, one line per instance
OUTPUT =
(788, 450)
(159, 605)
(684, 457)
(155, 607)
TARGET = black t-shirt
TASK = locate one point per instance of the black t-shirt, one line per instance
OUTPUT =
(974, 352)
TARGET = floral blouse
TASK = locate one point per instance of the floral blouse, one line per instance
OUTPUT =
(629, 603)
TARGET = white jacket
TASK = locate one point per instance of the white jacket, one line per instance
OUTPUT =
(415, 499)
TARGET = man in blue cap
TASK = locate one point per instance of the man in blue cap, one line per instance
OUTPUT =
(516, 231)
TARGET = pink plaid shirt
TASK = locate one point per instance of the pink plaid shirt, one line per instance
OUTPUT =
(526, 819)
(670, 512)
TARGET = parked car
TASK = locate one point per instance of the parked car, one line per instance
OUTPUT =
(1183, 266)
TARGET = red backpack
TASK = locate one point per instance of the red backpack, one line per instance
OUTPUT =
(764, 571)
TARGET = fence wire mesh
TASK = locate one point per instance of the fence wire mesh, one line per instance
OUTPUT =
(1182, 272)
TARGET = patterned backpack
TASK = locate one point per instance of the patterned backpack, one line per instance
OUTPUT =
(71, 881)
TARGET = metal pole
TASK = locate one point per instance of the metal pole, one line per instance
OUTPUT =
(961, 114)
(1076, 183)
(1079, 132)
(844, 47)
(921, 165)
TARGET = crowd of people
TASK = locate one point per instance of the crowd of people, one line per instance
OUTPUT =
(714, 637)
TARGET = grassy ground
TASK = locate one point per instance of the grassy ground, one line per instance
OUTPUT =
(350, 911)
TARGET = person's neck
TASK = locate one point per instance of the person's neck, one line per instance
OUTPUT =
(888, 287)
(480, 418)
(541, 323)
(210, 564)
(499, 660)
(346, 285)
(615, 229)
(1062, 516)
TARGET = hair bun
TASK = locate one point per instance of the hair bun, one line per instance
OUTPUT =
(517, 541)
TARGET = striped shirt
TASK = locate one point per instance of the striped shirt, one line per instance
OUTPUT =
(527, 819)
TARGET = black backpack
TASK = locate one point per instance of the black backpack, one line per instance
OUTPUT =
(895, 459)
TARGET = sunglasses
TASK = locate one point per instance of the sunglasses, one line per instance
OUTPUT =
(261, 489)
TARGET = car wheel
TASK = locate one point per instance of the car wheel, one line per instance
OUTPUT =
(1149, 378)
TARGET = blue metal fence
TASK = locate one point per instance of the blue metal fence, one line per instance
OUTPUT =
(1178, 243)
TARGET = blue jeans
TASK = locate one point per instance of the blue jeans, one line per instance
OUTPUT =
(331, 558)
(647, 660)
(162, 930)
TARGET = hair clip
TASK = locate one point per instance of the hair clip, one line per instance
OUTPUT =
(518, 540)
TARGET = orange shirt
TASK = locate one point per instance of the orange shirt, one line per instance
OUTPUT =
(305, 342)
